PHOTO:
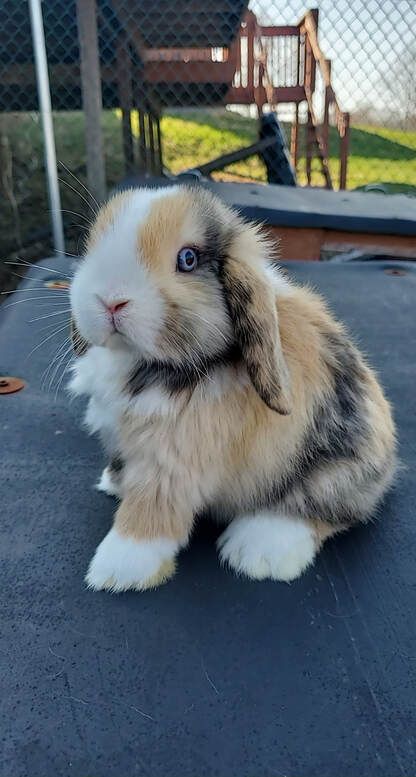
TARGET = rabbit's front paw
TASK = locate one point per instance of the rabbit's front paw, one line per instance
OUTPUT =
(121, 563)
(109, 483)
(268, 546)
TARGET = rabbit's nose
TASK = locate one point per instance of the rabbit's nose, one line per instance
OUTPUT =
(115, 307)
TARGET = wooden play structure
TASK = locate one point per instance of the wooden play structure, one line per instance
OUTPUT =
(279, 64)
(136, 55)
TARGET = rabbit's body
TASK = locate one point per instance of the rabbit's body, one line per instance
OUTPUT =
(289, 440)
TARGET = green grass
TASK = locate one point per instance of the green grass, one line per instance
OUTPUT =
(189, 138)
(380, 154)
(376, 154)
(194, 137)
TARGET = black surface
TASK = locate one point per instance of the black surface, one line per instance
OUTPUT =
(298, 206)
(348, 211)
(208, 675)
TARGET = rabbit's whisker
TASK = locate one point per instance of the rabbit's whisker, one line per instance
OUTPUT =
(49, 315)
(45, 340)
(37, 266)
(29, 299)
(81, 196)
(90, 194)
(53, 361)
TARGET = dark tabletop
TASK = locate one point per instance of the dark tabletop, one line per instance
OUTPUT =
(305, 207)
(208, 675)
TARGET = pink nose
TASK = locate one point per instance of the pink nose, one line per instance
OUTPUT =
(115, 307)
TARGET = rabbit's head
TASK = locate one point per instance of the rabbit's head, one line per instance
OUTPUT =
(180, 279)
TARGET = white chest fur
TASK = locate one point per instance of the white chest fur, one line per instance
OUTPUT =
(101, 374)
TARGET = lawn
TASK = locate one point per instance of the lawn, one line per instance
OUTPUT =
(376, 155)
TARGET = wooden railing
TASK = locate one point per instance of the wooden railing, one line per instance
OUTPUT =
(314, 58)
(278, 64)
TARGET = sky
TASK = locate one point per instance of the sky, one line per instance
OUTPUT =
(366, 40)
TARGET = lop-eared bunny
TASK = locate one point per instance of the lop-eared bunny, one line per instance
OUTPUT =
(217, 386)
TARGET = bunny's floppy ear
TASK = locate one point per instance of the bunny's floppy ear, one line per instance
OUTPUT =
(252, 305)
(79, 345)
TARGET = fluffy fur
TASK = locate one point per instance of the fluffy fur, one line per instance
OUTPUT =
(227, 389)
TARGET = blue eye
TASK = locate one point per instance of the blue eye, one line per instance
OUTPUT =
(187, 259)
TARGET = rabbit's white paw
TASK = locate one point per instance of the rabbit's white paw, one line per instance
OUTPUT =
(121, 563)
(268, 546)
(108, 484)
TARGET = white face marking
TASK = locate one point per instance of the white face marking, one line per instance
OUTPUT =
(268, 545)
(112, 272)
(121, 563)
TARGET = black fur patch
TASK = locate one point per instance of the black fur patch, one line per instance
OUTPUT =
(238, 295)
(176, 378)
(238, 298)
(116, 465)
(218, 234)
(251, 311)
(336, 433)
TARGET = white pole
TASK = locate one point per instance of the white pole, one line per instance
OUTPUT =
(42, 79)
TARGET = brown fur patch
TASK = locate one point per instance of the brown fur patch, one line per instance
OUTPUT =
(152, 514)
(168, 223)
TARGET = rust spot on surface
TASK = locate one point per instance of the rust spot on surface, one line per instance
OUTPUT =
(395, 271)
(59, 284)
(9, 385)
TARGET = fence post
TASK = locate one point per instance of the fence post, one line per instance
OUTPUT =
(250, 30)
(325, 125)
(45, 109)
(91, 95)
(125, 93)
(345, 139)
(309, 147)
(294, 138)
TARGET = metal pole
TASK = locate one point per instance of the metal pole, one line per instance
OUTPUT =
(45, 109)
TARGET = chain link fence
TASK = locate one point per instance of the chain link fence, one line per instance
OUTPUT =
(184, 81)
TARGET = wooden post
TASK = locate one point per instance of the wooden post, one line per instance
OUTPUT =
(325, 125)
(147, 150)
(294, 138)
(152, 159)
(142, 142)
(91, 95)
(309, 148)
(298, 62)
(315, 16)
(127, 134)
(250, 30)
(344, 143)
(125, 94)
(159, 146)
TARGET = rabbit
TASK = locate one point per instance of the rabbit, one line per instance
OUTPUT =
(220, 387)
